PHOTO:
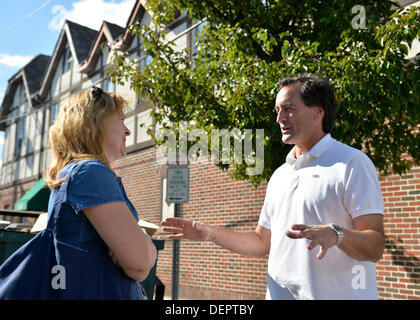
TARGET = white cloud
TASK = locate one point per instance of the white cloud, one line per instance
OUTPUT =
(91, 13)
(14, 61)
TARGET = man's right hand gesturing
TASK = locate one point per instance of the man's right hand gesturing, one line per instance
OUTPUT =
(186, 229)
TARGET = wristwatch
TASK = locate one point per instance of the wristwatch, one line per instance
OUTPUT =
(338, 231)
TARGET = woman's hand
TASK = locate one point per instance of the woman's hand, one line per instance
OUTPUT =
(113, 257)
(135, 275)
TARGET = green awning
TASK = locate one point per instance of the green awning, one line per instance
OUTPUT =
(35, 199)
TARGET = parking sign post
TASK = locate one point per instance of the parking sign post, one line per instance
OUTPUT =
(177, 192)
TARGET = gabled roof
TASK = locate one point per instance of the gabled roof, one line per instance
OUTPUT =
(35, 71)
(82, 38)
(85, 45)
(108, 32)
(120, 38)
(114, 29)
(135, 15)
(31, 76)
(79, 38)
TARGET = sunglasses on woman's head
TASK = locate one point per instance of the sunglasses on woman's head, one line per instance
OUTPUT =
(96, 92)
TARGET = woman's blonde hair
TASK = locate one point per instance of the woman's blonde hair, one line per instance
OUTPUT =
(77, 134)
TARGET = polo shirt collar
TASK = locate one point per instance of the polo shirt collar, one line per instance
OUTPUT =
(290, 158)
(316, 151)
(321, 146)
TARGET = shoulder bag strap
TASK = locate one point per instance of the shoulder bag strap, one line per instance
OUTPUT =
(60, 195)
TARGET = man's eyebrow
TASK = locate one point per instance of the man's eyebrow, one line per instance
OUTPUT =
(285, 104)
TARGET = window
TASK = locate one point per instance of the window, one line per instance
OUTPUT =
(144, 61)
(6, 147)
(22, 94)
(19, 137)
(53, 113)
(109, 86)
(68, 59)
(195, 37)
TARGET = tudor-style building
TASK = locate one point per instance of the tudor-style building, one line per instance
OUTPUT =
(79, 60)
(35, 93)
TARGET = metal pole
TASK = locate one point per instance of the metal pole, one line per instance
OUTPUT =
(175, 259)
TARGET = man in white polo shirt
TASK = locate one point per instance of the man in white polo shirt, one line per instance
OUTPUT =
(325, 196)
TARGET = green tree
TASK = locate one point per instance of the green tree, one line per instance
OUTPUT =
(246, 46)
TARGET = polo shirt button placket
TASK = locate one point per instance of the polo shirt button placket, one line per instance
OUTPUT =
(295, 181)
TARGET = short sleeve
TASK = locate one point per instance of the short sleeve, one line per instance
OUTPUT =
(362, 192)
(264, 219)
(92, 184)
(265, 214)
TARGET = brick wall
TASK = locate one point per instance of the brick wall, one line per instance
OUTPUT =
(398, 272)
(210, 272)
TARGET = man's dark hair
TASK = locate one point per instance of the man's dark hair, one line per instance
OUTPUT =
(316, 90)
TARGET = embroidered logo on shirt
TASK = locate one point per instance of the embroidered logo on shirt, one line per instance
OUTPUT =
(315, 175)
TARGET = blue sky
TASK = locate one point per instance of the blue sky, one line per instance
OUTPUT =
(32, 27)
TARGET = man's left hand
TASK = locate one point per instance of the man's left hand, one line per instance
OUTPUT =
(321, 235)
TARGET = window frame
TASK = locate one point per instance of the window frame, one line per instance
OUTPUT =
(68, 59)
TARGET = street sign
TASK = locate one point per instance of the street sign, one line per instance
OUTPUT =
(177, 184)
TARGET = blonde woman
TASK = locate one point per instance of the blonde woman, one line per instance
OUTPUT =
(98, 245)
(88, 135)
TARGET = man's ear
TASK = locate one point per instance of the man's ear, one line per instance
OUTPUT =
(319, 112)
